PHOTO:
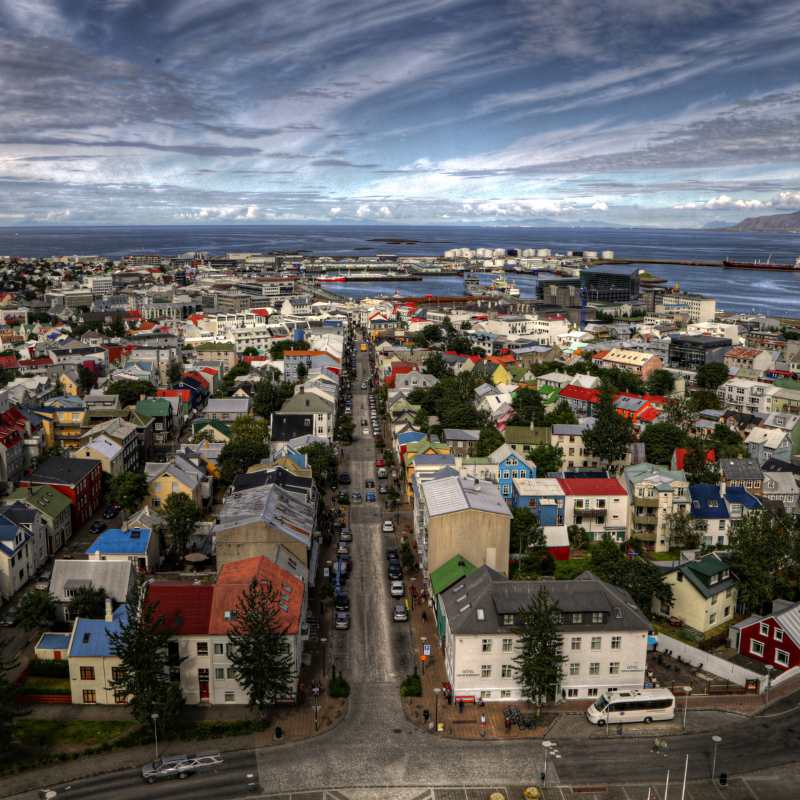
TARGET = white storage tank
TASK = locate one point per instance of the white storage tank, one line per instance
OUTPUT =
(607, 254)
(544, 252)
(499, 252)
(528, 252)
(590, 254)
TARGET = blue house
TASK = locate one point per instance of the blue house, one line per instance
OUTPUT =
(543, 496)
(510, 465)
(715, 512)
(137, 545)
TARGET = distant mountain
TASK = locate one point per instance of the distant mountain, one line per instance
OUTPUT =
(777, 223)
(718, 224)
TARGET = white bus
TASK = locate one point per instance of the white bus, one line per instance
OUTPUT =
(636, 705)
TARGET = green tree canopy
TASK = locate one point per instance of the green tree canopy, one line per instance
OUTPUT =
(36, 609)
(608, 440)
(660, 440)
(248, 445)
(277, 349)
(562, 414)
(528, 407)
(180, 514)
(547, 459)
(323, 463)
(539, 666)
(726, 443)
(661, 381)
(711, 376)
(129, 489)
(270, 395)
(88, 602)
(130, 391)
(489, 440)
(526, 532)
(9, 708)
(260, 656)
(435, 365)
(87, 379)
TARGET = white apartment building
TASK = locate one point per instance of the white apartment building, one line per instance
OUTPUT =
(748, 396)
(102, 284)
(603, 634)
(598, 505)
(697, 307)
(23, 546)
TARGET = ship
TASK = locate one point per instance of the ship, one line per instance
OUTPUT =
(472, 284)
(768, 265)
(503, 286)
(332, 278)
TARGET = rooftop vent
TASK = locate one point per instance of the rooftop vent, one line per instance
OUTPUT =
(480, 614)
(618, 612)
(86, 638)
(465, 608)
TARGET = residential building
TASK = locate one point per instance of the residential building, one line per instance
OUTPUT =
(704, 593)
(322, 412)
(54, 508)
(23, 546)
(160, 410)
(226, 409)
(695, 307)
(569, 438)
(782, 486)
(639, 363)
(604, 636)
(656, 493)
(78, 479)
(772, 639)
(765, 443)
(745, 395)
(748, 358)
(312, 360)
(462, 442)
(125, 435)
(743, 472)
(106, 451)
(510, 465)
(116, 578)
(224, 352)
(598, 505)
(137, 545)
(178, 476)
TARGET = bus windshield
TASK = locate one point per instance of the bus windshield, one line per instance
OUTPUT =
(601, 704)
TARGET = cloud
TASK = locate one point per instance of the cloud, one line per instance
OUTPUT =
(340, 162)
(782, 200)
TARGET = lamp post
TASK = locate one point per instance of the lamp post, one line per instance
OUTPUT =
(770, 669)
(436, 691)
(323, 641)
(716, 740)
(154, 717)
(546, 744)
(687, 691)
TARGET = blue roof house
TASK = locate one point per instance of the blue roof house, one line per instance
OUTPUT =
(137, 545)
(715, 512)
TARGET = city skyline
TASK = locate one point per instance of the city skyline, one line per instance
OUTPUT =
(445, 112)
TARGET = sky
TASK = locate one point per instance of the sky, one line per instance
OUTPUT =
(681, 113)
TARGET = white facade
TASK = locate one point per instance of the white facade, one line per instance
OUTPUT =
(747, 396)
(695, 306)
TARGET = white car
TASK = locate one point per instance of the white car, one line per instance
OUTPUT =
(365, 431)
(397, 589)
(388, 526)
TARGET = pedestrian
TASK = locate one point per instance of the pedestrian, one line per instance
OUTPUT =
(424, 615)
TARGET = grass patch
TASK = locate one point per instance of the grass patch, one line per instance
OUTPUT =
(38, 684)
(668, 555)
(55, 734)
(567, 570)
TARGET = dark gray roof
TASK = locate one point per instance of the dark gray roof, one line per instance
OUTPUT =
(740, 469)
(287, 426)
(60, 470)
(476, 604)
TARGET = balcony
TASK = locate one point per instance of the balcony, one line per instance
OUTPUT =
(650, 520)
(590, 512)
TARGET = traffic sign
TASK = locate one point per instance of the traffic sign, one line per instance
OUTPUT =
(426, 649)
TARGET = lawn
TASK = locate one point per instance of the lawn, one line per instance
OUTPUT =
(567, 570)
(665, 556)
(37, 684)
(69, 734)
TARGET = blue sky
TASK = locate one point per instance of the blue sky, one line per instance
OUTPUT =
(676, 113)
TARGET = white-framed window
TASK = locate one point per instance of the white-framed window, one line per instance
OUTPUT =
(597, 642)
(756, 647)
(219, 649)
(763, 629)
(781, 658)
(572, 692)
(616, 642)
(575, 643)
(576, 618)
(486, 645)
(485, 694)
(508, 645)
(575, 668)
(219, 673)
(508, 619)
(594, 668)
(778, 633)
(230, 697)
(613, 668)
(592, 693)
(231, 674)
(486, 670)
(597, 617)
(712, 618)
(505, 693)
(507, 671)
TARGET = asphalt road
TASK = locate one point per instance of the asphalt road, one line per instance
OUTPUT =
(381, 754)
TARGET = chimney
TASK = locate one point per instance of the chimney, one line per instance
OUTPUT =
(477, 484)
(109, 616)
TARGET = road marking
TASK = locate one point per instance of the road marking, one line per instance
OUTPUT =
(749, 789)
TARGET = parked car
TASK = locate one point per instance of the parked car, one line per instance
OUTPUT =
(379, 462)
(9, 619)
(97, 527)
(344, 478)
(363, 384)
(397, 589)
(388, 526)
(399, 614)
(346, 535)
(365, 431)
(395, 571)
(369, 483)
(383, 489)
(342, 602)
(342, 497)
(342, 621)
(342, 549)
(392, 554)
(179, 766)
(111, 511)
(356, 497)
(371, 497)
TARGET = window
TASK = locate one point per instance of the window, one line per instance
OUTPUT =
(778, 635)
(87, 673)
(202, 648)
(486, 671)
(486, 645)
(592, 692)
(574, 669)
(616, 642)
(763, 629)
(508, 645)
(572, 692)
(507, 671)
(505, 693)
(89, 696)
(116, 673)
(782, 658)
(756, 647)
(219, 649)
(712, 618)
(597, 617)
(597, 642)
(120, 698)
(228, 649)
(594, 668)
(575, 643)
(230, 697)
(508, 619)
(576, 619)
(219, 674)
(231, 674)
(613, 668)
(485, 695)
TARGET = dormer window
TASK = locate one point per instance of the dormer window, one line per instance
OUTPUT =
(714, 579)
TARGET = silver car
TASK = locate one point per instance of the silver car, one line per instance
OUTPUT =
(179, 766)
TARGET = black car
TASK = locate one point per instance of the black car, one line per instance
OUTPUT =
(395, 571)
(344, 478)
(97, 527)
(342, 602)
(111, 511)
(392, 554)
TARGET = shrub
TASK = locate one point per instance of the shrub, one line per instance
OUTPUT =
(411, 686)
(48, 669)
(338, 686)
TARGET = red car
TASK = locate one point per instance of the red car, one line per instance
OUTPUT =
(379, 462)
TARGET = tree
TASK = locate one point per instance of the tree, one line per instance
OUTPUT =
(261, 657)
(117, 328)
(435, 365)
(711, 376)
(578, 538)
(323, 463)
(270, 395)
(345, 428)
(36, 609)
(696, 465)
(679, 412)
(432, 333)
(302, 372)
(562, 414)
(87, 380)
(174, 372)
(611, 434)
(528, 407)
(130, 391)
(547, 458)
(526, 532)
(489, 440)
(143, 674)
(250, 351)
(682, 531)
(88, 602)
(726, 443)
(248, 445)
(660, 440)
(277, 349)
(129, 489)
(539, 666)
(9, 709)
(661, 382)
(702, 399)
(180, 514)
(421, 421)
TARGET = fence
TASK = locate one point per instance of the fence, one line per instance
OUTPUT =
(741, 676)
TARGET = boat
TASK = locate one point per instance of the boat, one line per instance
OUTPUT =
(503, 286)
(332, 278)
(472, 283)
(768, 265)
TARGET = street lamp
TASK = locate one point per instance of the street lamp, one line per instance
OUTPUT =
(154, 717)
(546, 744)
(436, 691)
(716, 740)
(323, 641)
(687, 690)
(770, 669)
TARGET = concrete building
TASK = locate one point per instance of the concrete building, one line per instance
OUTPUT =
(106, 451)
(692, 351)
(641, 364)
(695, 307)
(598, 505)
(745, 395)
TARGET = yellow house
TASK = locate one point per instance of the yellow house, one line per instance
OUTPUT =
(64, 421)
(704, 593)
(106, 451)
(422, 447)
(68, 384)
(165, 479)
(501, 375)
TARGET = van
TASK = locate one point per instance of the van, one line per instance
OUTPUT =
(382, 472)
(635, 705)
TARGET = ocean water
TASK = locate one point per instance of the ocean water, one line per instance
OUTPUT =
(735, 290)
